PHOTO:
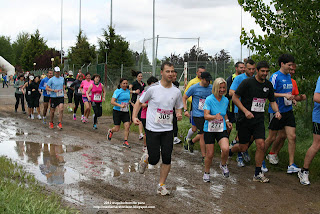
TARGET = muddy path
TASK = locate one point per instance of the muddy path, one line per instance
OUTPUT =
(97, 176)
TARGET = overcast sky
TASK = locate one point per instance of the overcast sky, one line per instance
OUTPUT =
(216, 22)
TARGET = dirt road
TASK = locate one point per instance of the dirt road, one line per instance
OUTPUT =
(95, 175)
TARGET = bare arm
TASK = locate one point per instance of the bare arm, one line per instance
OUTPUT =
(316, 97)
(231, 92)
(88, 92)
(113, 102)
(275, 108)
(135, 111)
(237, 102)
(185, 107)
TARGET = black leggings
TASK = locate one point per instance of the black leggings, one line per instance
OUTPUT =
(77, 100)
(97, 108)
(175, 125)
(159, 142)
(18, 98)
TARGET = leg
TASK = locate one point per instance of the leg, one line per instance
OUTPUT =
(259, 152)
(208, 157)
(279, 142)
(224, 146)
(202, 145)
(17, 101)
(166, 151)
(60, 108)
(291, 133)
(52, 110)
(22, 103)
(164, 171)
(312, 151)
(116, 128)
(126, 130)
(271, 138)
(45, 109)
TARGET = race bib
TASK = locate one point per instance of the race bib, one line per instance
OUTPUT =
(258, 104)
(29, 92)
(60, 93)
(79, 91)
(201, 104)
(45, 84)
(164, 116)
(287, 102)
(69, 83)
(215, 125)
(97, 97)
(125, 109)
(19, 89)
(48, 92)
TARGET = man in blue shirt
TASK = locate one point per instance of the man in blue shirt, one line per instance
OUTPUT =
(46, 94)
(57, 90)
(199, 93)
(282, 84)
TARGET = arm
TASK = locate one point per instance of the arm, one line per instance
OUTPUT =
(16, 85)
(231, 92)
(185, 107)
(300, 97)
(229, 125)
(179, 114)
(316, 97)
(208, 116)
(113, 102)
(288, 96)
(135, 111)
(23, 87)
(88, 92)
(275, 108)
(237, 102)
(103, 93)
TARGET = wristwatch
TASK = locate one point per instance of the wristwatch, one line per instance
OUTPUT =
(184, 110)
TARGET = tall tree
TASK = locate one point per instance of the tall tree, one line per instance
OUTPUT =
(34, 47)
(116, 48)
(196, 54)
(44, 60)
(82, 52)
(223, 55)
(6, 50)
(19, 45)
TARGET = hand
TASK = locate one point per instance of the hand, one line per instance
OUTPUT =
(89, 99)
(122, 105)
(218, 117)
(278, 115)
(179, 116)
(289, 96)
(249, 115)
(294, 102)
(103, 99)
(137, 91)
(303, 96)
(229, 125)
(136, 121)
(186, 113)
(55, 90)
(33, 90)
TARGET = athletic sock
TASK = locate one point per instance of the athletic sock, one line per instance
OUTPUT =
(271, 153)
(230, 153)
(239, 154)
(190, 133)
(257, 171)
(304, 169)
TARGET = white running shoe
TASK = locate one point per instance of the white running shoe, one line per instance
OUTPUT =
(32, 117)
(162, 190)
(206, 177)
(261, 178)
(273, 159)
(143, 163)
(141, 136)
(176, 140)
(39, 117)
(293, 169)
(240, 162)
(304, 177)
(264, 168)
(225, 170)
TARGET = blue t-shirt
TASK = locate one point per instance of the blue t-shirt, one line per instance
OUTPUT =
(316, 109)
(235, 84)
(215, 107)
(282, 84)
(122, 96)
(43, 85)
(56, 84)
(199, 95)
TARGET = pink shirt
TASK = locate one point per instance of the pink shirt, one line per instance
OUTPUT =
(85, 85)
(96, 93)
(144, 110)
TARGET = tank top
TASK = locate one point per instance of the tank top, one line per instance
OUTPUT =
(96, 95)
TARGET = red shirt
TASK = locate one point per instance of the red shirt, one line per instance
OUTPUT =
(295, 90)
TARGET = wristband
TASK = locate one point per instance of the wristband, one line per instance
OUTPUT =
(227, 120)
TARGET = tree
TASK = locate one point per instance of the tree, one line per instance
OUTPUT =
(6, 50)
(44, 60)
(222, 56)
(116, 48)
(19, 45)
(82, 52)
(34, 47)
(196, 54)
(175, 59)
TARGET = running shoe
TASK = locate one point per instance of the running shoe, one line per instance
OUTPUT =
(39, 117)
(273, 159)
(225, 170)
(261, 178)
(24, 112)
(143, 163)
(32, 117)
(190, 146)
(264, 168)
(74, 117)
(304, 177)
(51, 125)
(141, 136)
(126, 144)
(206, 178)
(240, 161)
(82, 117)
(176, 140)
(59, 126)
(95, 126)
(109, 135)
(246, 156)
(293, 169)
(162, 190)
(44, 120)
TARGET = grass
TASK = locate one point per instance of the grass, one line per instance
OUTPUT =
(20, 193)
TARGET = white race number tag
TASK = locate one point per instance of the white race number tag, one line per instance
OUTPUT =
(287, 102)
(79, 91)
(201, 104)
(60, 93)
(29, 92)
(125, 108)
(164, 116)
(215, 126)
(69, 83)
(97, 97)
(258, 104)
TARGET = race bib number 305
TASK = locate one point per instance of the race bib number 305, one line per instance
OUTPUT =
(215, 126)
(164, 116)
(258, 104)
(201, 104)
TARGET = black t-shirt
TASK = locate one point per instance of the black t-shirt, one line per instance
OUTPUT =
(135, 86)
(176, 83)
(35, 86)
(253, 92)
(76, 85)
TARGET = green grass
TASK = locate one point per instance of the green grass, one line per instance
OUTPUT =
(20, 193)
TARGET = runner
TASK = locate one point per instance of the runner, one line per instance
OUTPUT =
(162, 97)
(57, 89)
(28, 97)
(96, 98)
(75, 86)
(35, 95)
(80, 74)
(281, 137)
(18, 94)
(253, 92)
(87, 104)
(120, 99)
(314, 148)
(250, 68)
(176, 140)
(68, 81)
(46, 95)
(215, 127)
(199, 93)
(193, 128)
(136, 88)
(281, 81)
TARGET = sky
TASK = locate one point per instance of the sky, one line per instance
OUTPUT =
(216, 22)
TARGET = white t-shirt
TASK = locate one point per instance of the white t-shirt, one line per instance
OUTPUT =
(160, 106)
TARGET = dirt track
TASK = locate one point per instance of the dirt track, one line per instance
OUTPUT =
(89, 171)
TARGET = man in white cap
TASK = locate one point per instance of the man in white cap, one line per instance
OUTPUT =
(57, 89)
(68, 81)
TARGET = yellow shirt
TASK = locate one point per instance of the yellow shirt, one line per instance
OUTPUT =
(192, 82)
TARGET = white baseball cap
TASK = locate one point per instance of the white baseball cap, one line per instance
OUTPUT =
(56, 69)
(70, 73)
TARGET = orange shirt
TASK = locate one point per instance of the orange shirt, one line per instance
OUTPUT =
(295, 90)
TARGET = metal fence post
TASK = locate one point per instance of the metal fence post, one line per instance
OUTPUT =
(121, 70)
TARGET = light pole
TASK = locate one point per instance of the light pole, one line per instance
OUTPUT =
(34, 66)
(52, 60)
(80, 18)
(61, 29)
(153, 42)
(111, 14)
